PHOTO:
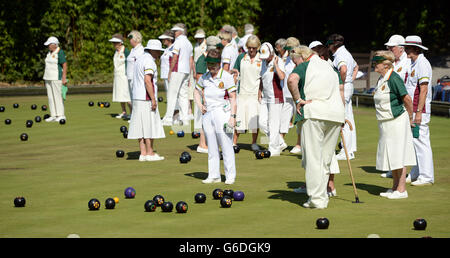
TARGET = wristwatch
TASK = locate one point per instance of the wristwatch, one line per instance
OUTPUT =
(233, 116)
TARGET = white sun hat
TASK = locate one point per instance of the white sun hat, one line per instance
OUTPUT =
(51, 40)
(414, 41)
(154, 44)
(200, 34)
(395, 40)
(315, 44)
(164, 36)
(177, 28)
(265, 50)
(116, 38)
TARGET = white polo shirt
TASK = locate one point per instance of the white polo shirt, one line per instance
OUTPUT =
(145, 64)
(135, 52)
(249, 74)
(183, 48)
(343, 57)
(421, 72)
(165, 62)
(199, 50)
(402, 67)
(229, 55)
(216, 89)
(272, 85)
(289, 65)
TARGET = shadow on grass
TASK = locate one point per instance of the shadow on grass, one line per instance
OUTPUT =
(113, 115)
(133, 155)
(193, 147)
(371, 189)
(202, 175)
(289, 195)
(370, 169)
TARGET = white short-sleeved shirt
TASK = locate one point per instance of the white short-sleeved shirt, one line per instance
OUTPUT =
(144, 65)
(216, 89)
(183, 48)
(165, 62)
(135, 52)
(229, 55)
(272, 85)
(403, 66)
(289, 65)
(421, 72)
(343, 57)
(199, 50)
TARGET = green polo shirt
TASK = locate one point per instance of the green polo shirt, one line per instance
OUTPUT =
(61, 61)
(200, 65)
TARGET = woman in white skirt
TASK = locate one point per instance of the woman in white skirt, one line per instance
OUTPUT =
(395, 147)
(216, 97)
(121, 92)
(145, 122)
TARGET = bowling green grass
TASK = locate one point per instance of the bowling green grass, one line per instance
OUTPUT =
(61, 167)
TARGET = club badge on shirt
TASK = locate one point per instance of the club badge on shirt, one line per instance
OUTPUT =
(221, 85)
(399, 70)
(413, 73)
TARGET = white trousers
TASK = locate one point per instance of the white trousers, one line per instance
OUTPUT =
(178, 91)
(350, 136)
(55, 100)
(319, 139)
(213, 122)
(270, 122)
(286, 114)
(424, 155)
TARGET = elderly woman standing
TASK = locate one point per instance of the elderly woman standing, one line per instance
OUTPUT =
(137, 50)
(167, 39)
(314, 85)
(229, 52)
(395, 146)
(121, 92)
(55, 76)
(248, 67)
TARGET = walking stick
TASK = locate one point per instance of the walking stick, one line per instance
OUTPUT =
(348, 162)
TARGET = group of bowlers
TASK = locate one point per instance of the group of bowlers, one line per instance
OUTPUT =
(243, 85)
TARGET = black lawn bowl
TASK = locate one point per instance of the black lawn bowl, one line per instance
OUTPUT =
(228, 193)
(184, 159)
(160, 99)
(259, 154)
(167, 207)
(2, 109)
(236, 148)
(181, 207)
(8, 121)
(110, 204)
(226, 202)
(19, 201)
(150, 206)
(420, 224)
(200, 198)
(24, 137)
(195, 135)
(46, 116)
(44, 108)
(15, 105)
(38, 119)
(217, 194)
(158, 199)
(322, 223)
(33, 107)
(125, 135)
(29, 123)
(123, 129)
(266, 153)
(187, 154)
(120, 153)
(91, 103)
(107, 104)
(94, 204)
(62, 121)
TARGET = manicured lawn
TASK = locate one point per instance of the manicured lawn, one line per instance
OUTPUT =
(61, 167)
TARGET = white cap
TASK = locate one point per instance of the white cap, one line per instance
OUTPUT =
(177, 28)
(395, 40)
(414, 41)
(248, 28)
(154, 44)
(200, 34)
(164, 36)
(265, 50)
(51, 40)
(315, 44)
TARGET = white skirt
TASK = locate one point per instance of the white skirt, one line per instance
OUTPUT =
(144, 122)
(247, 112)
(121, 91)
(395, 146)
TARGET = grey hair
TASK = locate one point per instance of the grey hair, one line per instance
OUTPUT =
(136, 35)
(281, 42)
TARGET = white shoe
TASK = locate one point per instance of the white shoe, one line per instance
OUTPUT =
(166, 123)
(154, 157)
(421, 182)
(59, 118)
(274, 152)
(409, 180)
(50, 119)
(291, 125)
(387, 193)
(332, 193)
(283, 146)
(211, 180)
(123, 115)
(342, 156)
(398, 195)
(229, 181)
(387, 175)
(296, 150)
(142, 158)
(301, 189)
(310, 205)
(255, 147)
(202, 150)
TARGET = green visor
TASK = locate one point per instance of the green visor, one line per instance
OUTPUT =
(288, 48)
(378, 59)
(329, 42)
(212, 60)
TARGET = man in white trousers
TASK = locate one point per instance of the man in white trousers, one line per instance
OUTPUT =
(314, 85)
(180, 67)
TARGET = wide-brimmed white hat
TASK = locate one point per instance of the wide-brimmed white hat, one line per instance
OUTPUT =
(395, 40)
(177, 28)
(414, 41)
(154, 44)
(51, 40)
(116, 38)
(200, 34)
(315, 44)
(265, 50)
